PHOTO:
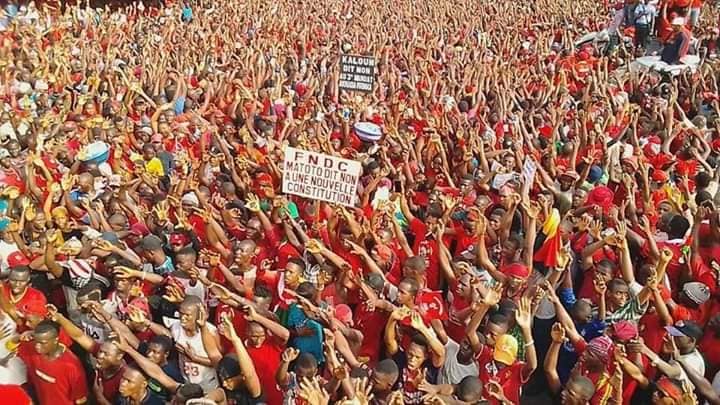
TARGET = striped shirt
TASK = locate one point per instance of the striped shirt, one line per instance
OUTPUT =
(631, 311)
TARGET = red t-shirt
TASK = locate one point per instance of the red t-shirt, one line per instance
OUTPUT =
(674, 268)
(30, 295)
(267, 361)
(427, 248)
(366, 320)
(238, 320)
(110, 383)
(652, 331)
(58, 382)
(463, 240)
(708, 347)
(455, 327)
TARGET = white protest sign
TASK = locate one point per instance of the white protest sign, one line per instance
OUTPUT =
(528, 175)
(528, 171)
(321, 177)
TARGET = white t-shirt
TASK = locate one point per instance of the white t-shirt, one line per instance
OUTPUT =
(14, 372)
(194, 372)
(693, 359)
(6, 249)
(452, 372)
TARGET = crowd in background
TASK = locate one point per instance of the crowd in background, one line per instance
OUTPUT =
(538, 222)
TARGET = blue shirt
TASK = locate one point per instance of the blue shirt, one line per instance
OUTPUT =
(312, 344)
(187, 14)
(588, 330)
(180, 105)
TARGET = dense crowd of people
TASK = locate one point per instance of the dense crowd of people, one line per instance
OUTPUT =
(537, 221)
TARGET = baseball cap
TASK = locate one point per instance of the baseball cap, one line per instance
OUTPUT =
(685, 328)
(698, 292)
(178, 239)
(139, 229)
(595, 174)
(506, 348)
(16, 259)
(344, 314)
(190, 199)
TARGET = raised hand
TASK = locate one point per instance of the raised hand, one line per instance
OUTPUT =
(492, 295)
(290, 354)
(312, 392)
(253, 203)
(523, 315)
(313, 246)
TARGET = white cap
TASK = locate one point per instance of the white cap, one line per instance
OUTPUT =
(678, 21)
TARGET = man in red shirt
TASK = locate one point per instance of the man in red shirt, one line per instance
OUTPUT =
(55, 372)
(501, 364)
(265, 343)
(20, 295)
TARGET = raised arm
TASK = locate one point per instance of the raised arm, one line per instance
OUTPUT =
(250, 377)
(551, 358)
(277, 330)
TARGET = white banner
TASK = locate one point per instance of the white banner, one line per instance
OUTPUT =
(320, 177)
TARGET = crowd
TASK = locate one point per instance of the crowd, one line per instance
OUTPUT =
(538, 221)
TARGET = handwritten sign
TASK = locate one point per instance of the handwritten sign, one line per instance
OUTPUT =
(357, 73)
(321, 177)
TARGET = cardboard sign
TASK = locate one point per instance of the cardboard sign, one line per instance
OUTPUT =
(320, 177)
(357, 73)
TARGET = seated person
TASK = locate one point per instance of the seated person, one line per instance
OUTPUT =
(678, 44)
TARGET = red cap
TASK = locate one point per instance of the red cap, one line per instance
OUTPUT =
(601, 196)
(546, 131)
(17, 259)
(344, 314)
(516, 270)
(264, 179)
(660, 176)
(179, 239)
(139, 229)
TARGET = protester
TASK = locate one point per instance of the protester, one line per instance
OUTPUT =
(359, 202)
